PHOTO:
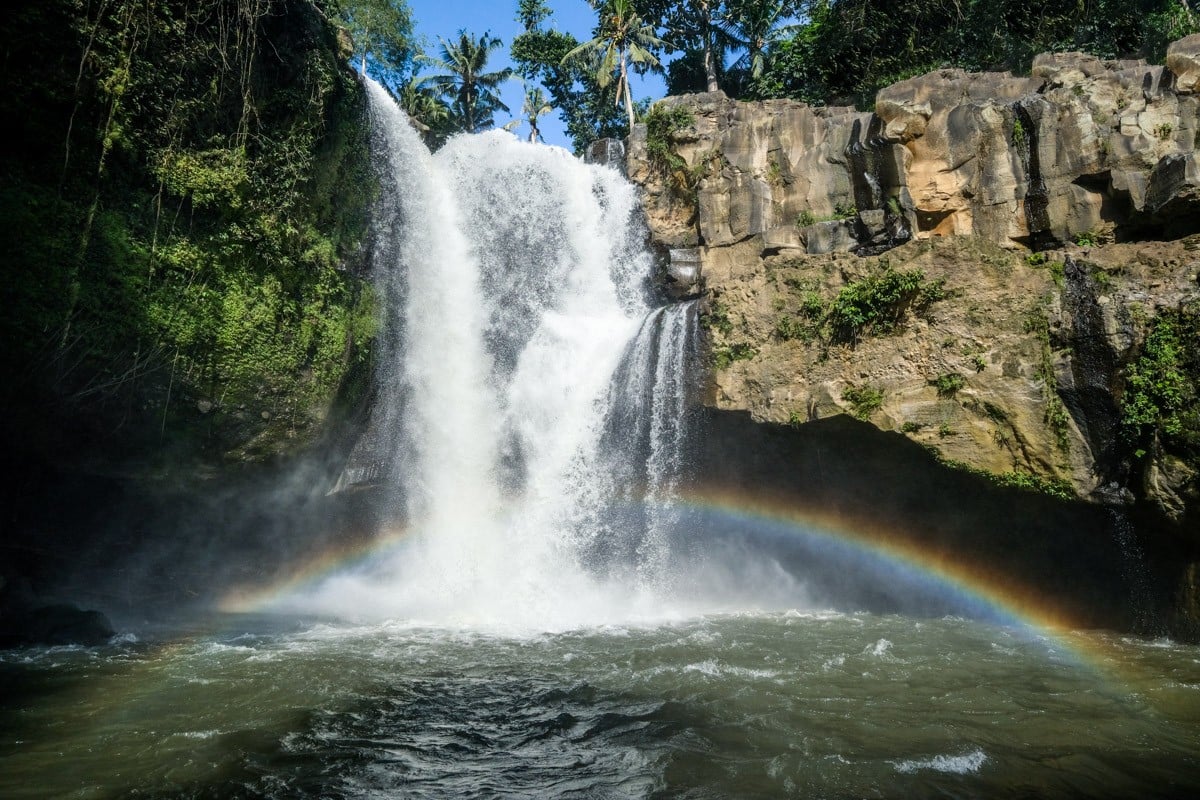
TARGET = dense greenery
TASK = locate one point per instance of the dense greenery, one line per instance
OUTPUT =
(878, 302)
(589, 110)
(381, 35)
(846, 50)
(1161, 400)
(185, 183)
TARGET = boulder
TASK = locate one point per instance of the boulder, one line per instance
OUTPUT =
(1183, 59)
(49, 625)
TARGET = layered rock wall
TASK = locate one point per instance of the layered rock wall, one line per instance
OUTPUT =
(978, 265)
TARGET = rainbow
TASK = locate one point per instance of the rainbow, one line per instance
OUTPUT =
(346, 556)
(990, 593)
(978, 591)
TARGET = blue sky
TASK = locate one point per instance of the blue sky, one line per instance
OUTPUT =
(444, 18)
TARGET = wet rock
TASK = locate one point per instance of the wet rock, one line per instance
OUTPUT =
(60, 624)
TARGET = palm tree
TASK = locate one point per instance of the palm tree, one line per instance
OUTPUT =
(428, 113)
(753, 25)
(535, 106)
(472, 91)
(622, 38)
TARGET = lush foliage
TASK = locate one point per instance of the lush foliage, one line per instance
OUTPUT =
(590, 111)
(381, 34)
(1162, 387)
(879, 302)
(463, 79)
(184, 185)
(846, 50)
(624, 40)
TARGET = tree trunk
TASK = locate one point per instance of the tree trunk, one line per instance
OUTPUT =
(710, 54)
(628, 93)
(710, 65)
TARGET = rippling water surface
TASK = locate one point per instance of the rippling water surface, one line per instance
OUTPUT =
(757, 705)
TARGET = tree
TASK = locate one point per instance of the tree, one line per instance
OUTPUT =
(623, 38)
(698, 23)
(429, 113)
(589, 111)
(535, 105)
(472, 90)
(754, 25)
(381, 33)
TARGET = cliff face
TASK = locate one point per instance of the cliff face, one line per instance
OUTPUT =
(1002, 269)
(184, 192)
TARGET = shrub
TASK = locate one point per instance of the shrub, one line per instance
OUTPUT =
(878, 303)
(948, 384)
(863, 400)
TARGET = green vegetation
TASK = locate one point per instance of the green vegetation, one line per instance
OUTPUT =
(1087, 239)
(808, 62)
(865, 400)
(1055, 414)
(978, 363)
(878, 303)
(1018, 134)
(948, 384)
(716, 318)
(661, 123)
(182, 202)
(724, 355)
(623, 40)
(1016, 479)
(588, 110)
(381, 34)
(1164, 131)
(1035, 259)
(462, 79)
(874, 305)
(841, 212)
(1161, 400)
(911, 427)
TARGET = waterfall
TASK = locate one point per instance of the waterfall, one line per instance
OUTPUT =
(647, 430)
(516, 329)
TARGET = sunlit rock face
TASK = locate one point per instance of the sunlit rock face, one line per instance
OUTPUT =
(1048, 222)
(1080, 144)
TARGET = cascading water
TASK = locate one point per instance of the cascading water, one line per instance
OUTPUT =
(646, 435)
(514, 277)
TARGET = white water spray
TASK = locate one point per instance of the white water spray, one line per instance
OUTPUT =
(513, 274)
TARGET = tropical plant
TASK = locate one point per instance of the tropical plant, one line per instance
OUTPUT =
(535, 105)
(753, 26)
(589, 111)
(381, 33)
(700, 28)
(465, 81)
(623, 38)
(428, 113)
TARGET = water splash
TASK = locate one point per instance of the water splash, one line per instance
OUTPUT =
(514, 279)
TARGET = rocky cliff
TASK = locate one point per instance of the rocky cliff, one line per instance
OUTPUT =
(1003, 269)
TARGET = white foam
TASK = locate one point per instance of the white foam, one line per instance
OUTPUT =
(964, 764)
